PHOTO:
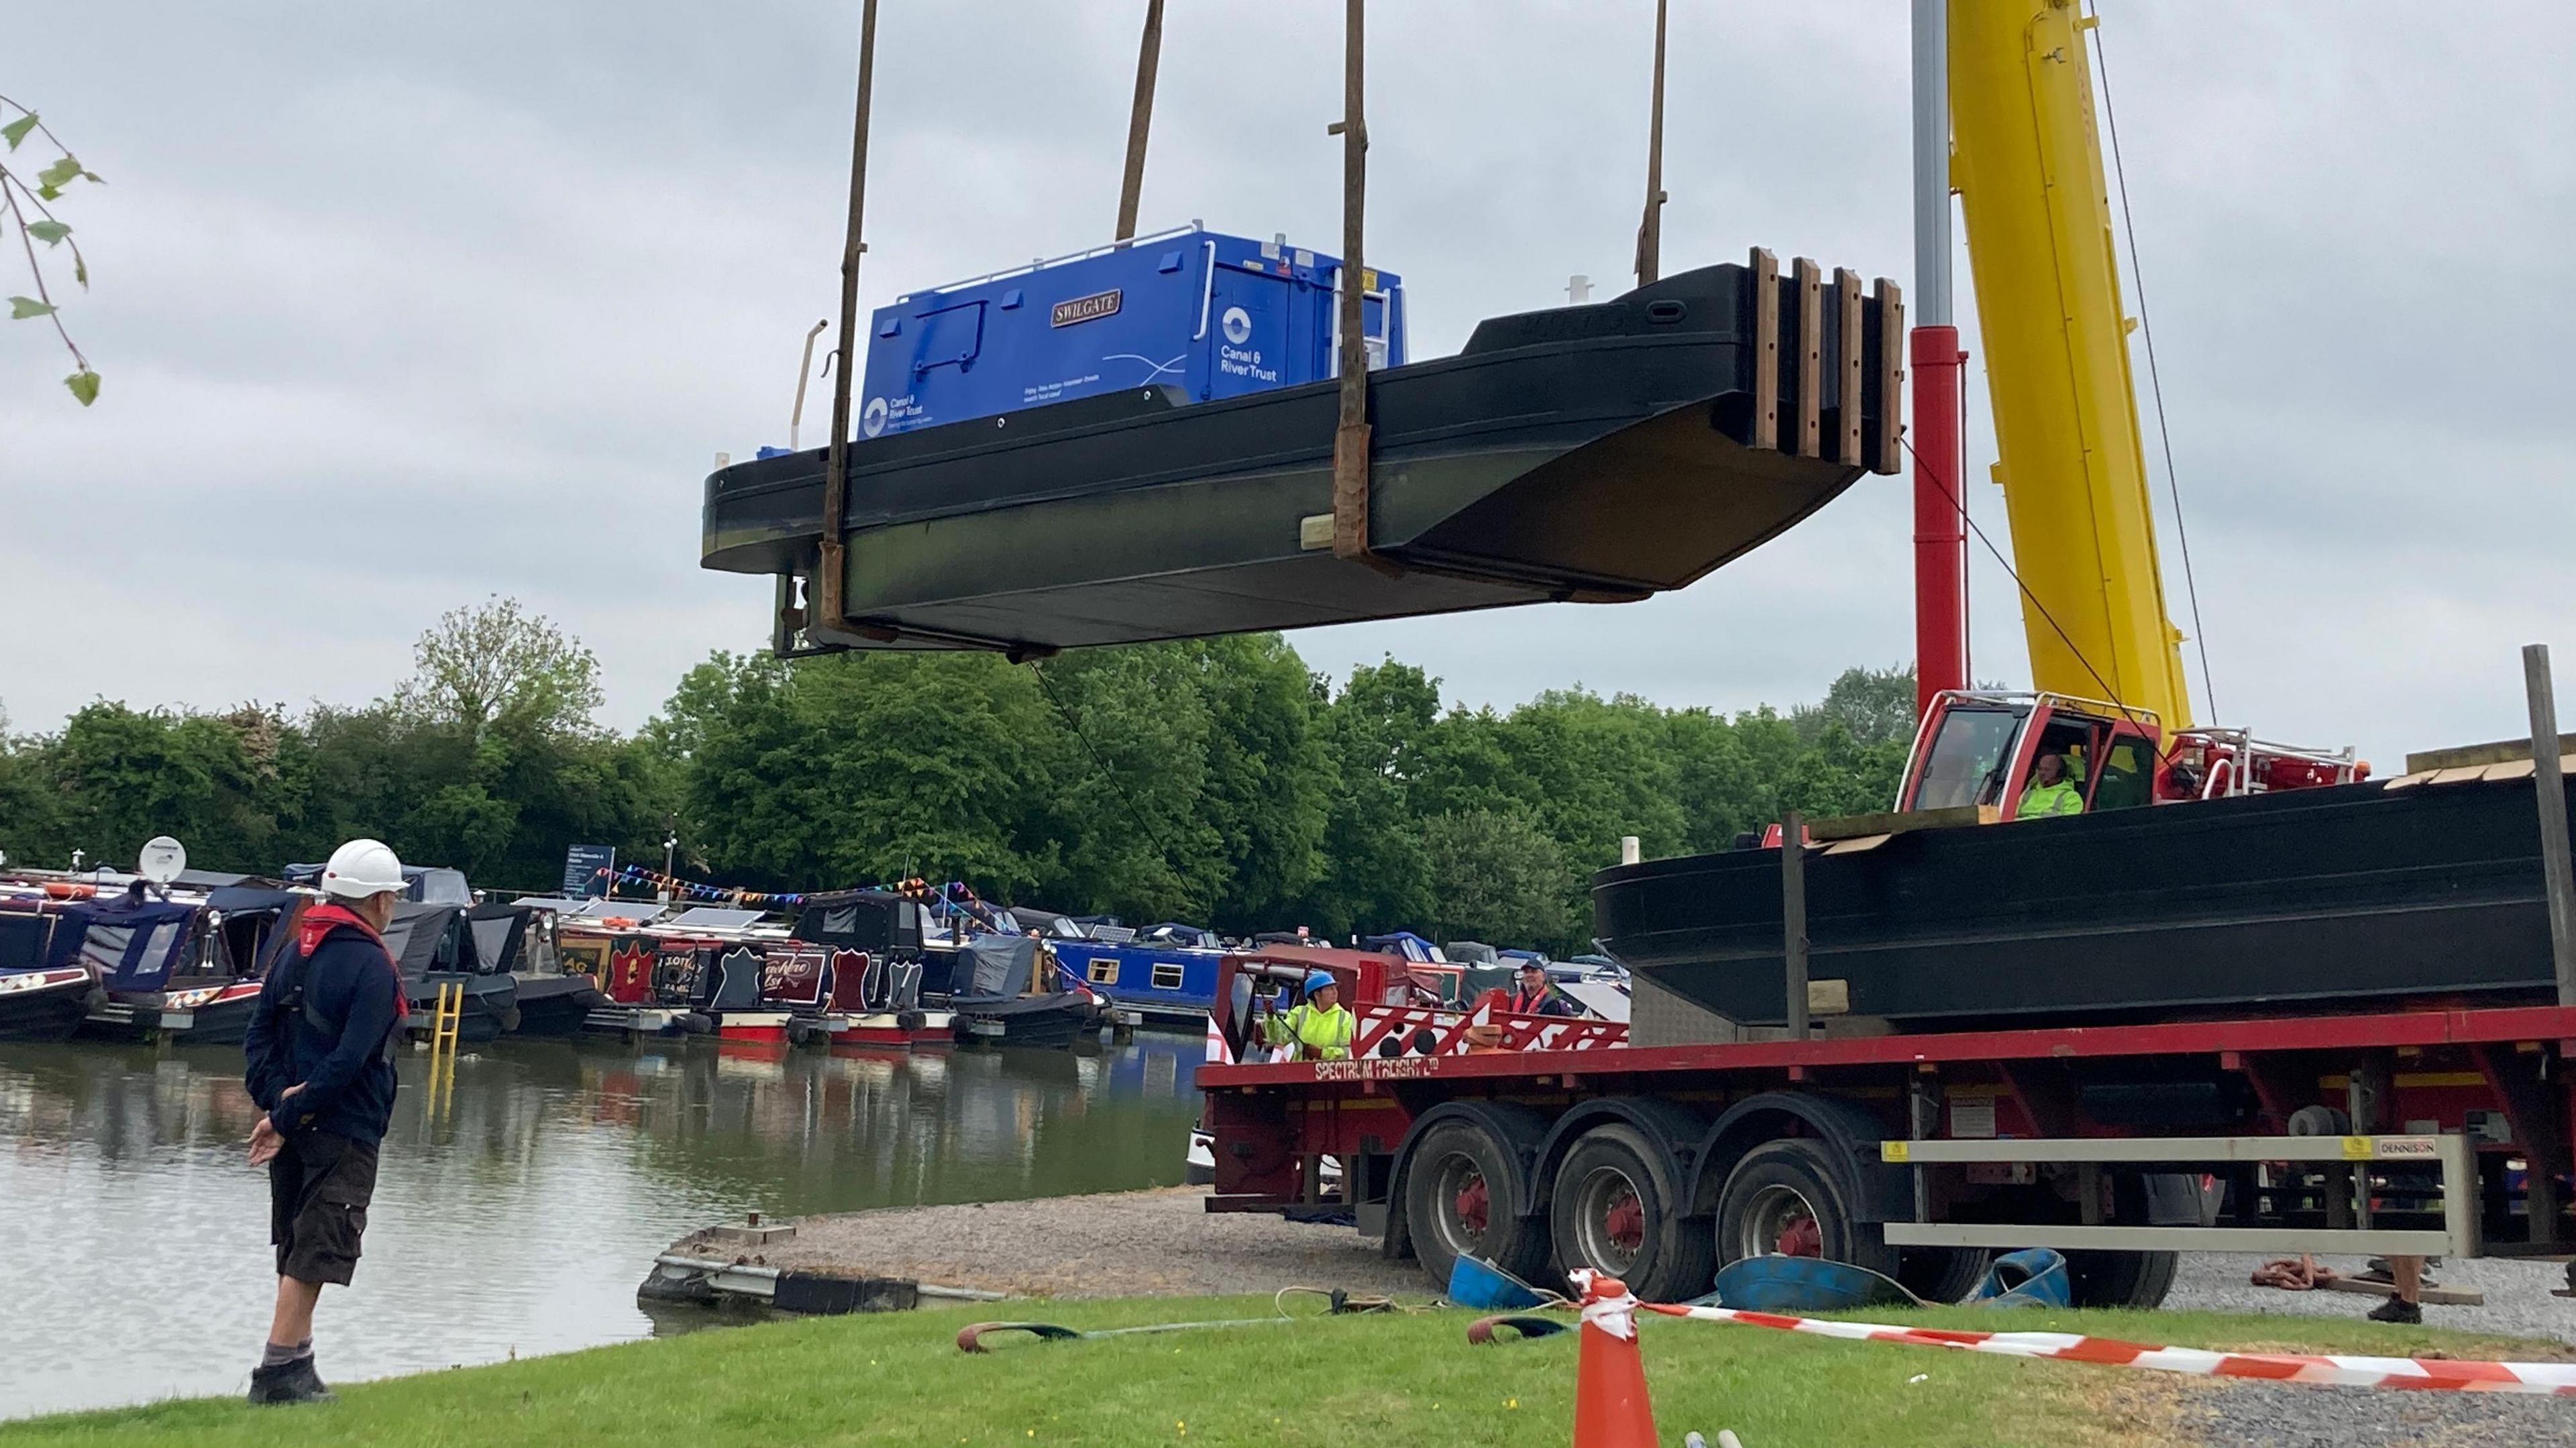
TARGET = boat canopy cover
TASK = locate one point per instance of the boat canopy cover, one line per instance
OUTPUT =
(132, 944)
(429, 939)
(1002, 965)
(1404, 943)
(425, 884)
(497, 932)
(251, 899)
(1187, 936)
(878, 921)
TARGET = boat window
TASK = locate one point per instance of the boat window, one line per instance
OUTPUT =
(1167, 975)
(23, 940)
(103, 947)
(1104, 970)
(2128, 772)
(163, 944)
(1965, 764)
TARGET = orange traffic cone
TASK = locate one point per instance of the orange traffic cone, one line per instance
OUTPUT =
(1611, 1409)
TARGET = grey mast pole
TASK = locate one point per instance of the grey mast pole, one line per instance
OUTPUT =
(1931, 297)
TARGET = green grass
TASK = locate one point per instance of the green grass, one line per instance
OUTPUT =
(1405, 1381)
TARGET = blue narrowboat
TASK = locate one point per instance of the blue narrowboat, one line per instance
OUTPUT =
(1163, 978)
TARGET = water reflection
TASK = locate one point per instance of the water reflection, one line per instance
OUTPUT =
(519, 1217)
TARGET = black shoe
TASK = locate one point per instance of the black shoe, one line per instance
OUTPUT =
(292, 1382)
(2398, 1309)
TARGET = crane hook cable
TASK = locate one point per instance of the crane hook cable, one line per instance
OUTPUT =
(2110, 695)
(2155, 378)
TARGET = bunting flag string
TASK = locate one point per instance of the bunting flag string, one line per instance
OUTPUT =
(694, 890)
(955, 895)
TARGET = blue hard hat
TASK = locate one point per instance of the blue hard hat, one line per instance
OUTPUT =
(1318, 979)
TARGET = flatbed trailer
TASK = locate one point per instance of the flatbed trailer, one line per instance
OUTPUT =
(2435, 1128)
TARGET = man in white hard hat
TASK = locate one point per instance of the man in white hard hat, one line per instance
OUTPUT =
(321, 1051)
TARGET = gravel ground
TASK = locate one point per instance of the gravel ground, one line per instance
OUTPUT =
(1161, 1243)
(2287, 1415)
(2518, 1301)
(1121, 1244)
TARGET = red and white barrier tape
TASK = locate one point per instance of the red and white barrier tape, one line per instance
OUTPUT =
(2360, 1372)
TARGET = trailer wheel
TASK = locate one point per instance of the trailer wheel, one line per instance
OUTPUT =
(1942, 1274)
(1784, 1197)
(1616, 1210)
(2121, 1279)
(1457, 1204)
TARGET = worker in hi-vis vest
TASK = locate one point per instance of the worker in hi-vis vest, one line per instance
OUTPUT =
(2050, 792)
(1317, 1028)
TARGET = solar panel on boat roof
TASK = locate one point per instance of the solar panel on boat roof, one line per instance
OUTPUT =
(710, 917)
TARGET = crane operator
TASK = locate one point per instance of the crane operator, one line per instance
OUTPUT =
(2051, 791)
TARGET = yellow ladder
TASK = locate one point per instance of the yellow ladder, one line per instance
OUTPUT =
(449, 1016)
(445, 1020)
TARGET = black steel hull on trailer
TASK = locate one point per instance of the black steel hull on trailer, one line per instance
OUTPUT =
(1592, 453)
(2357, 893)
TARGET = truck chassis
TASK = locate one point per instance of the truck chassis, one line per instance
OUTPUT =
(2434, 1129)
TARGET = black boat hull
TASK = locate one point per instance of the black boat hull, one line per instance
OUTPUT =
(1039, 1021)
(224, 1023)
(489, 1011)
(2357, 894)
(49, 1012)
(1596, 453)
(555, 1005)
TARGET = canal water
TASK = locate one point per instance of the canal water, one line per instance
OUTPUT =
(515, 1214)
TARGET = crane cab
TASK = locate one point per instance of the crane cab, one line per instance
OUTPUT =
(1976, 748)
(1980, 749)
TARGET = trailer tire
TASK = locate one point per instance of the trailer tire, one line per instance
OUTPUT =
(1942, 1275)
(2121, 1279)
(1616, 1209)
(1457, 1202)
(1779, 1185)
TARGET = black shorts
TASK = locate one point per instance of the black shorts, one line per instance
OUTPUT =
(318, 1189)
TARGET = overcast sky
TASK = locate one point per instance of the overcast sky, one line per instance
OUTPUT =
(404, 305)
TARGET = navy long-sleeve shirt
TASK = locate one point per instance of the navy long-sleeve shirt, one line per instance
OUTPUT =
(351, 984)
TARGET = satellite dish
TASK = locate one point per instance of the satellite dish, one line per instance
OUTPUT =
(162, 860)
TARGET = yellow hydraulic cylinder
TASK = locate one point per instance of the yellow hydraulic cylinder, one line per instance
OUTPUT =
(2028, 168)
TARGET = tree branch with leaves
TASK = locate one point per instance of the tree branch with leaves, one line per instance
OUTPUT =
(17, 200)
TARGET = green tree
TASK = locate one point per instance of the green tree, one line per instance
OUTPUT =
(496, 660)
(127, 775)
(1495, 877)
(1376, 874)
(1874, 706)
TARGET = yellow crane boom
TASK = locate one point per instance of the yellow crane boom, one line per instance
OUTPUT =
(2027, 165)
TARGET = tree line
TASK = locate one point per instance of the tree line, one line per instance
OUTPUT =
(1219, 782)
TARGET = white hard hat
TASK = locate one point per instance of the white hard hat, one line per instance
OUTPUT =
(362, 868)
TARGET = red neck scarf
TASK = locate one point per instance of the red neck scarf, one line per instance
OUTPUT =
(320, 920)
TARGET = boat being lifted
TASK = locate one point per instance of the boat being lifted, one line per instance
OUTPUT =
(1600, 452)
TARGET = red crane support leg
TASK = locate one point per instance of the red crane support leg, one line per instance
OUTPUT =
(1940, 534)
